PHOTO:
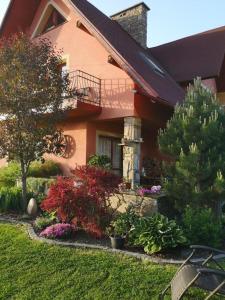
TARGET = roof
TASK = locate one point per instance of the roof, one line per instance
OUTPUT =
(131, 7)
(134, 59)
(198, 55)
(17, 18)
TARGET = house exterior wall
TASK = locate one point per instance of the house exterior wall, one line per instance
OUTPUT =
(84, 52)
(78, 131)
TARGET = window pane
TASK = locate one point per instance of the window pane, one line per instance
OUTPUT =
(105, 146)
(116, 159)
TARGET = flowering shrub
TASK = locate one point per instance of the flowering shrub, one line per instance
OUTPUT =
(83, 201)
(58, 231)
(156, 189)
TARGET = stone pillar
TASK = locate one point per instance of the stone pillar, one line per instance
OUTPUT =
(132, 150)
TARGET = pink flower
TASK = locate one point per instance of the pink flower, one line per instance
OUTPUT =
(58, 231)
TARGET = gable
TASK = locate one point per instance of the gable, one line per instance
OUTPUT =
(51, 17)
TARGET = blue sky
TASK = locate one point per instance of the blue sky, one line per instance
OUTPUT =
(168, 19)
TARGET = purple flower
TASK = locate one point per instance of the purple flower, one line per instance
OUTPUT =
(154, 190)
(58, 231)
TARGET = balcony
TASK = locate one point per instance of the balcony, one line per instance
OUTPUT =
(86, 88)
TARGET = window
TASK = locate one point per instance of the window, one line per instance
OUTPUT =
(55, 19)
(110, 146)
(50, 19)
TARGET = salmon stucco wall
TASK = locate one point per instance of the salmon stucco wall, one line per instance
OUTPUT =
(83, 51)
(78, 131)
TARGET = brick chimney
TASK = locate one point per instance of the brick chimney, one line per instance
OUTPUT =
(134, 21)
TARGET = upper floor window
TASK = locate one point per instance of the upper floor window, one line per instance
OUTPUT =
(51, 18)
(55, 19)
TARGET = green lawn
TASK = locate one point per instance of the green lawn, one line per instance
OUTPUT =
(33, 270)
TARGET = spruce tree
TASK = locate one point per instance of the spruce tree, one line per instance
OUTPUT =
(194, 140)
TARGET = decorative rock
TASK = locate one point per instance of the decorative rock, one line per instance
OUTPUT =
(32, 208)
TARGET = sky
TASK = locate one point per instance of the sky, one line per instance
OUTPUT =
(168, 19)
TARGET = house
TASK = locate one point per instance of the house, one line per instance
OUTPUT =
(123, 90)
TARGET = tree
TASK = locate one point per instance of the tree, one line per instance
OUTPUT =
(194, 139)
(32, 93)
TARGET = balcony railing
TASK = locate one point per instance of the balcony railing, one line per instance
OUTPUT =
(86, 87)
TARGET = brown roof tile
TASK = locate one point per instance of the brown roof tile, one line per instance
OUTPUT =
(198, 55)
(134, 59)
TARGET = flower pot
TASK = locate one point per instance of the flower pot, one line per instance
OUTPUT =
(117, 242)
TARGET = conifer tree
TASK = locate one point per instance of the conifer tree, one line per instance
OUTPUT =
(194, 139)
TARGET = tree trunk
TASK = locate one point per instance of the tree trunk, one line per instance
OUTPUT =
(218, 209)
(24, 187)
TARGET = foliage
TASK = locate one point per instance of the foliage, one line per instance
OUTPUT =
(121, 226)
(9, 174)
(39, 185)
(58, 231)
(32, 91)
(194, 141)
(44, 170)
(201, 227)
(84, 201)
(156, 233)
(102, 161)
(152, 171)
(42, 222)
(11, 199)
(12, 172)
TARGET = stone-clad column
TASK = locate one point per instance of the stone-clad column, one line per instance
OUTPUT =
(132, 150)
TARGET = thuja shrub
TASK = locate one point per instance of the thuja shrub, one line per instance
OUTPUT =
(83, 200)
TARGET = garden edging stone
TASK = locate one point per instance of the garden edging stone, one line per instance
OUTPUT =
(33, 236)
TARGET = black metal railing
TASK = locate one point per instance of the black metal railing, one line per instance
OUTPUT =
(85, 87)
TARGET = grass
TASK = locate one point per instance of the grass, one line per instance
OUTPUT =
(33, 270)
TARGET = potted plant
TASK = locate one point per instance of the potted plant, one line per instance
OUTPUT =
(117, 232)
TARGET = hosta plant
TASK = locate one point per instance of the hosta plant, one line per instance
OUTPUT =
(156, 233)
(58, 231)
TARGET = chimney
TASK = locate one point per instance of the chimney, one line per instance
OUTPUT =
(134, 21)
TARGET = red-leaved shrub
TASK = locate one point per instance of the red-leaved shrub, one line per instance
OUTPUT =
(83, 200)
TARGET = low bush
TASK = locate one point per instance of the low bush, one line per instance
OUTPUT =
(42, 222)
(102, 161)
(58, 231)
(201, 227)
(47, 169)
(9, 174)
(156, 233)
(120, 226)
(39, 185)
(11, 199)
(83, 201)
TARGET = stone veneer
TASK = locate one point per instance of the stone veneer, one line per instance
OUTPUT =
(134, 21)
